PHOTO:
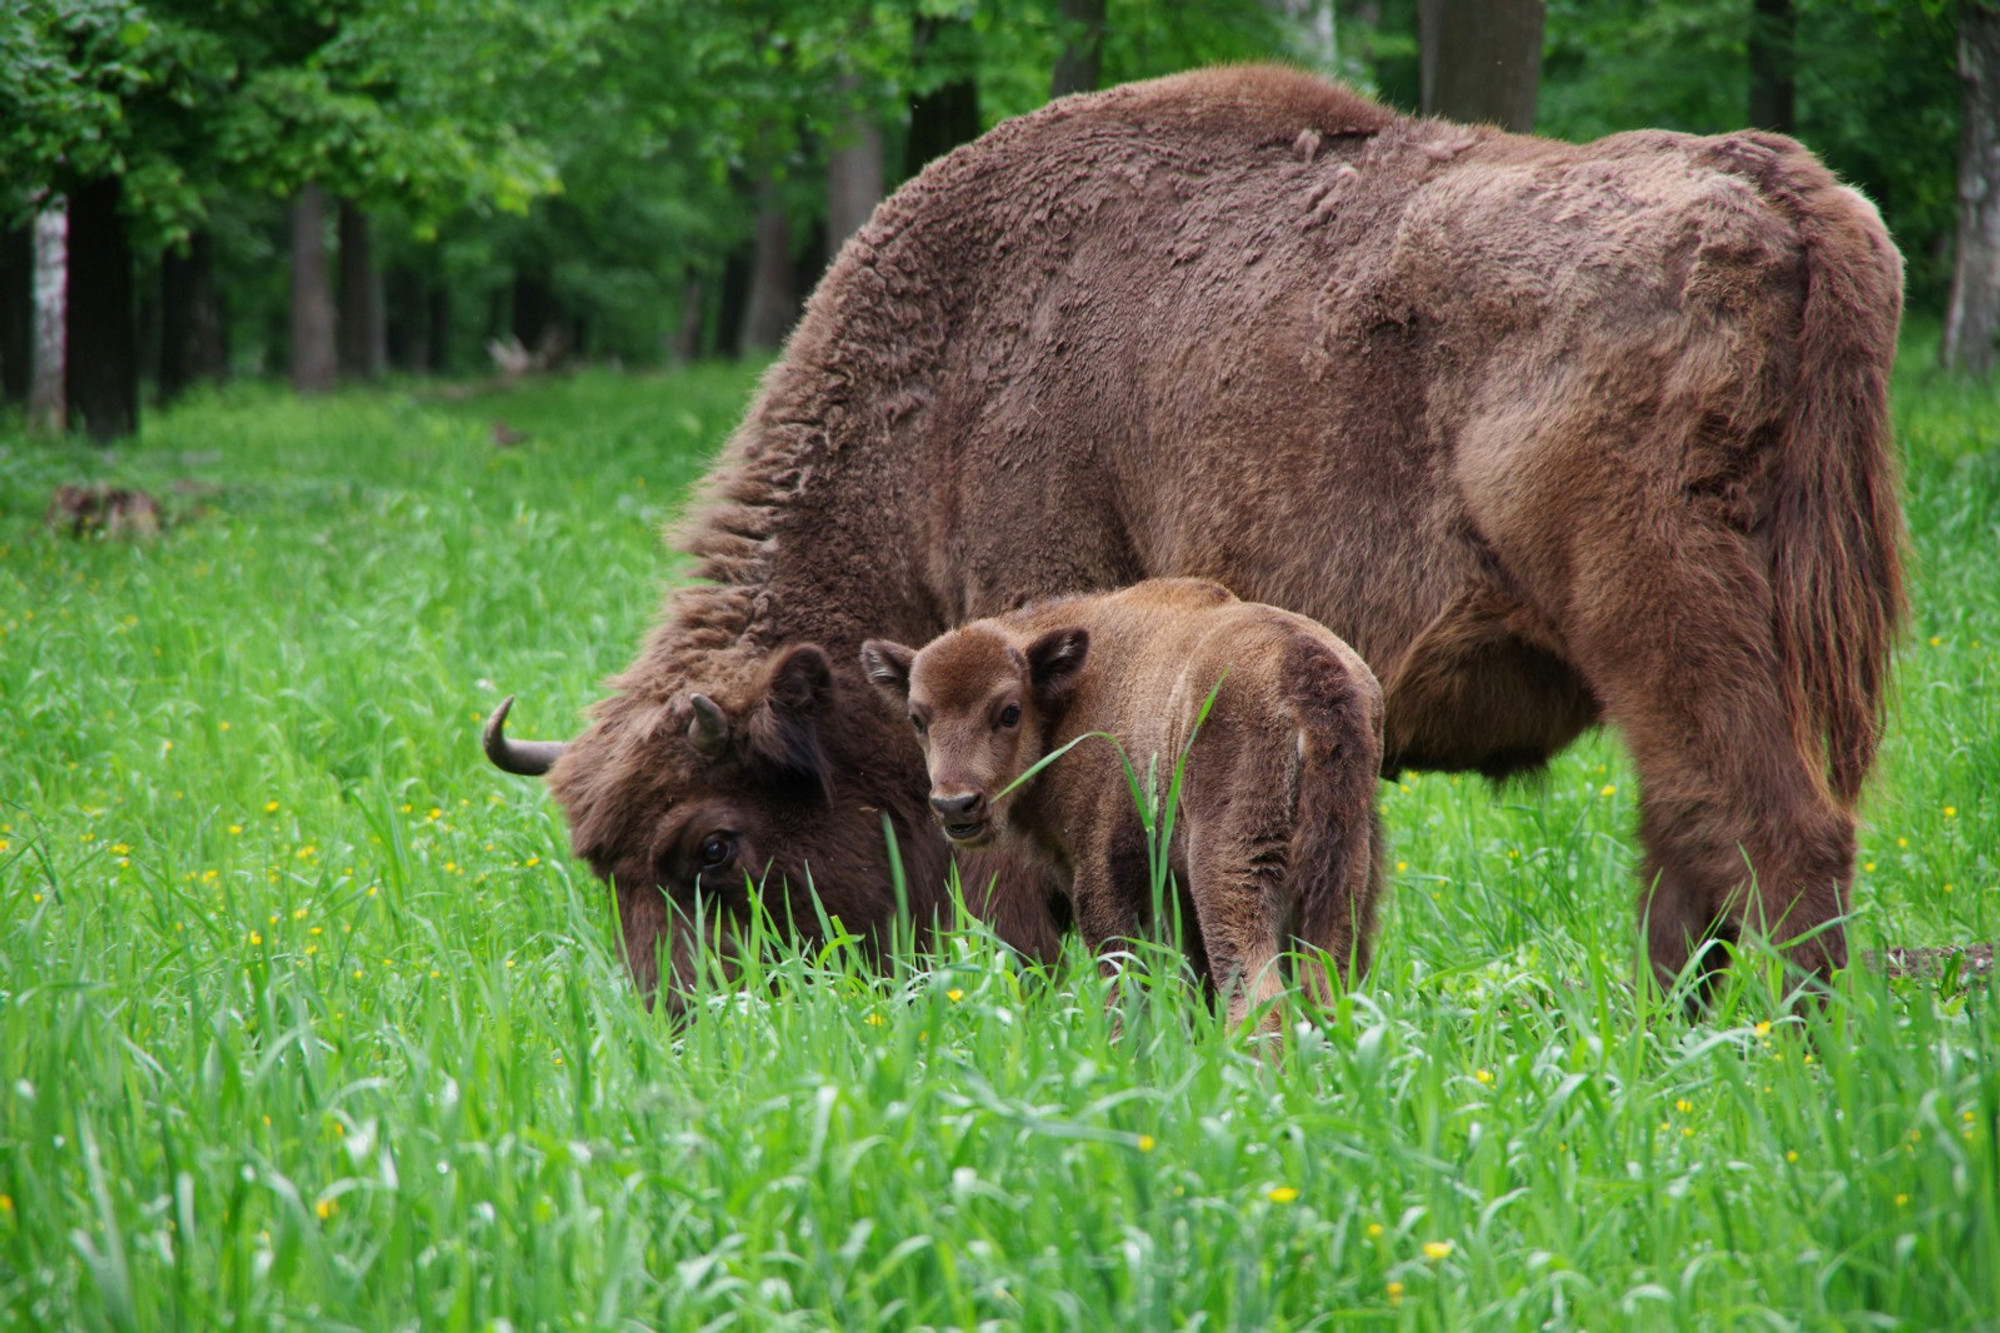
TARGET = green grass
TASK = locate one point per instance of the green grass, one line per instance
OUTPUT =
(308, 1019)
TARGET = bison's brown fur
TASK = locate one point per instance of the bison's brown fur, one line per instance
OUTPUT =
(1550, 433)
(1276, 839)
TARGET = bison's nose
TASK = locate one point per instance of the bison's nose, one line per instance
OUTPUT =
(957, 807)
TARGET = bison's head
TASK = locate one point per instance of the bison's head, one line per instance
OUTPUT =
(980, 707)
(769, 784)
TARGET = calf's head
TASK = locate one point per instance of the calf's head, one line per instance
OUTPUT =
(983, 709)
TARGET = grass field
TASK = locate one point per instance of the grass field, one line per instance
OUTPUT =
(307, 1019)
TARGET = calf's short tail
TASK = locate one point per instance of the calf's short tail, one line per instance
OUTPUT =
(1336, 846)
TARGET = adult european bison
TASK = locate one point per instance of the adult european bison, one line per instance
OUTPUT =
(1550, 433)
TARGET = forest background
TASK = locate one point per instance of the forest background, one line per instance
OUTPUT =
(335, 189)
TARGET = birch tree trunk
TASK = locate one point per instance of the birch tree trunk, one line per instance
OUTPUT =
(1973, 317)
(48, 406)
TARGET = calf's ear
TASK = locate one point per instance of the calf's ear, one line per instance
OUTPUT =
(888, 666)
(798, 698)
(1054, 660)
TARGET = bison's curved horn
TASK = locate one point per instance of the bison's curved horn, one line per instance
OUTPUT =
(530, 759)
(708, 730)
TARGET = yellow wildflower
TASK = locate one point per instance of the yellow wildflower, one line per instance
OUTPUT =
(1435, 1250)
(1282, 1194)
(1147, 1143)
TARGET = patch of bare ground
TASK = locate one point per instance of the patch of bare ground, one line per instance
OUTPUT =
(1935, 962)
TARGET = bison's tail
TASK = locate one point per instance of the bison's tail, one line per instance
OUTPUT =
(1336, 845)
(1837, 525)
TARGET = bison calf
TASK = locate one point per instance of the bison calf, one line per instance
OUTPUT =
(1277, 837)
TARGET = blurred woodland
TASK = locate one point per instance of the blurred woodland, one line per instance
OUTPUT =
(331, 190)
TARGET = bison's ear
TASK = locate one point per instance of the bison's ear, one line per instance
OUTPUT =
(888, 666)
(798, 696)
(1054, 661)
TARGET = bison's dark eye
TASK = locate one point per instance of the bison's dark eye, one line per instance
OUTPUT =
(714, 851)
(1010, 715)
(918, 723)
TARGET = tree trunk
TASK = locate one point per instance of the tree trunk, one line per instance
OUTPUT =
(946, 115)
(732, 301)
(437, 329)
(17, 315)
(854, 174)
(47, 400)
(1773, 93)
(686, 343)
(1973, 317)
(101, 327)
(769, 311)
(1080, 62)
(537, 314)
(405, 306)
(193, 335)
(315, 365)
(1481, 60)
(358, 324)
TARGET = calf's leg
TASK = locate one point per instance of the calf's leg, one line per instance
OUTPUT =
(1237, 869)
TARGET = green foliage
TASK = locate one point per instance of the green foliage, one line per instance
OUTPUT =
(376, 99)
(308, 1017)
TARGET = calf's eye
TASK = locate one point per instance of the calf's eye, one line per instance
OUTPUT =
(918, 723)
(714, 851)
(1010, 715)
